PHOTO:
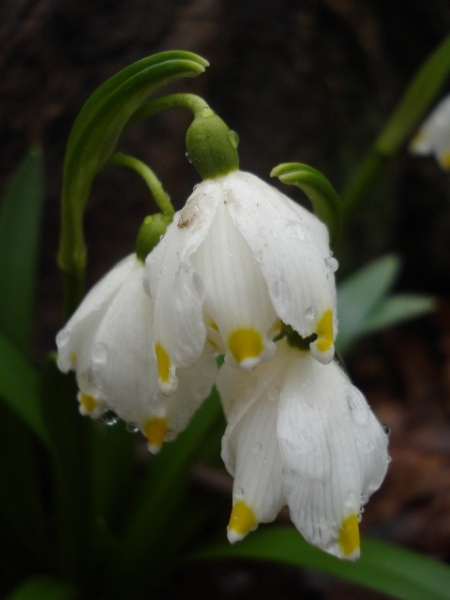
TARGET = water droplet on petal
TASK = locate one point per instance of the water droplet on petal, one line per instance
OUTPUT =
(257, 448)
(350, 499)
(239, 493)
(99, 353)
(386, 429)
(311, 313)
(109, 418)
(357, 405)
(295, 229)
(331, 265)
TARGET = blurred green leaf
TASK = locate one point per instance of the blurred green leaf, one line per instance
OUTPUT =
(71, 472)
(20, 219)
(398, 308)
(19, 388)
(421, 92)
(163, 494)
(360, 294)
(389, 569)
(22, 495)
(44, 588)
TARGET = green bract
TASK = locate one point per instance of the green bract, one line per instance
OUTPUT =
(93, 140)
(320, 192)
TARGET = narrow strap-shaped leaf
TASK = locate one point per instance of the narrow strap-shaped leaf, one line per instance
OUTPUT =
(390, 569)
(20, 219)
(318, 189)
(94, 138)
(411, 108)
(44, 588)
(19, 388)
(360, 294)
(397, 309)
(71, 469)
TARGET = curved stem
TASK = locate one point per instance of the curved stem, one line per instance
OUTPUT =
(189, 101)
(161, 198)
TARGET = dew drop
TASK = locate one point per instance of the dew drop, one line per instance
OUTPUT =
(386, 429)
(257, 448)
(234, 138)
(239, 493)
(350, 500)
(357, 405)
(109, 418)
(188, 157)
(311, 313)
(99, 353)
(331, 265)
(295, 229)
(131, 427)
(389, 459)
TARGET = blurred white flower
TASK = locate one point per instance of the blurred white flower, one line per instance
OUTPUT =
(299, 433)
(237, 260)
(433, 136)
(108, 342)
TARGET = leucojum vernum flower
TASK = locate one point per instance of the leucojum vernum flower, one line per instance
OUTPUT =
(244, 272)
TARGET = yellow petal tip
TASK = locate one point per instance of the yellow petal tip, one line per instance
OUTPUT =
(348, 539)
(242, 521)
(155, 431)
(246, 345)
(88, 404)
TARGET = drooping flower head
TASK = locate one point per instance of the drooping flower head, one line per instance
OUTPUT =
(240, 259)
(299, 433)
(433, 136)
(108, 342)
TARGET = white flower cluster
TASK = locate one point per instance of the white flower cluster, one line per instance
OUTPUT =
(240, 263)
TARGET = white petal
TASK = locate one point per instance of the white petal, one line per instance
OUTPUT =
(176, 291)
(195, 384)
(236, 296)
(250, 449)
(291, 247)
(122, 359)
(334, 454)
(434, 134)
(73, 338)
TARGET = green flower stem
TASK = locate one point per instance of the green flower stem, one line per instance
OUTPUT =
(405, 118)
(93, 141)
(154, 107)
(161, 198)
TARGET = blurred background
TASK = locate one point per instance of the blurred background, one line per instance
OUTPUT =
(300, 80)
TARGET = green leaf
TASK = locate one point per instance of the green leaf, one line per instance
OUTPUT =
(94, 138)
(163, 493)
(397, 309)
(22, 503)
(318, 189)
(20, 219)
(412, 107)
(19, 388)
(44, 588)
(389, 569)
(359, 296)
(71, 470)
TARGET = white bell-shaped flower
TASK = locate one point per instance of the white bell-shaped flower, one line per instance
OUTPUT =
(299, 433)
(238, 259)
(433, 136)
(108, 342)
